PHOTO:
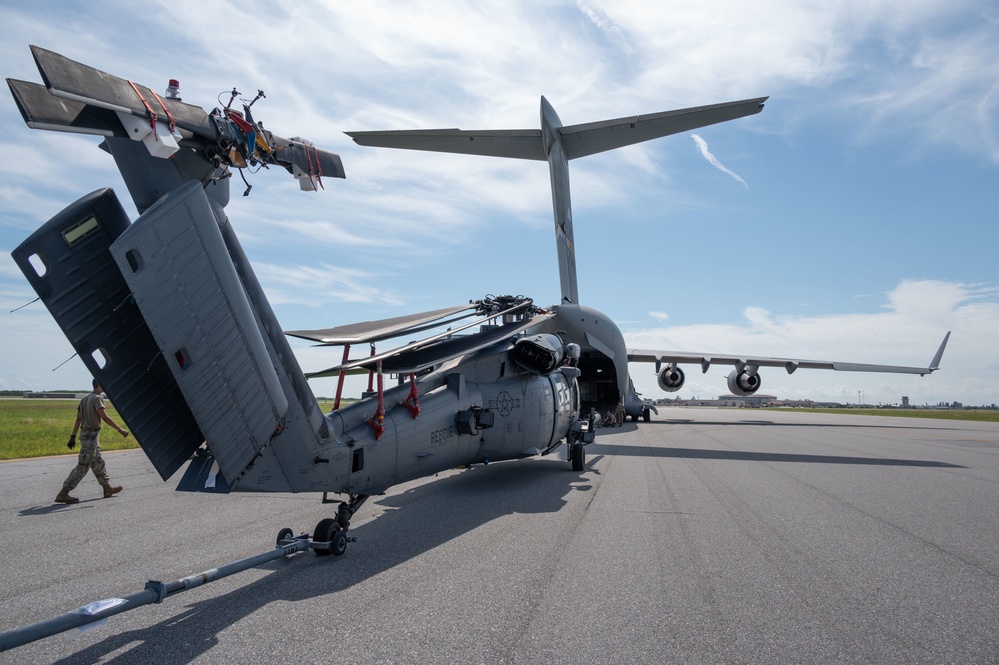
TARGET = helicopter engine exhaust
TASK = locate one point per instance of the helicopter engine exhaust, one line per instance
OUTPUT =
(538, 354)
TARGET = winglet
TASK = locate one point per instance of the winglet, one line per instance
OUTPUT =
(935, 363)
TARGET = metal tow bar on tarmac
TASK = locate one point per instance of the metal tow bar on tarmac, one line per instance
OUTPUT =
(155, 592)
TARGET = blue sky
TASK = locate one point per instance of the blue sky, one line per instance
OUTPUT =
(854, 219)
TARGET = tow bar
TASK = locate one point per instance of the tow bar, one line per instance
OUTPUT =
(154, 592)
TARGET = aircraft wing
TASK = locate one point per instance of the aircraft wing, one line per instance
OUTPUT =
(705, 360)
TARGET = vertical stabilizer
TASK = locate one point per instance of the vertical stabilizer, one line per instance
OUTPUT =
(558, 169)
(176, 264)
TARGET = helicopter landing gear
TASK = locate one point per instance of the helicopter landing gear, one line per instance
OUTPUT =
(330, 536)
(577, 456)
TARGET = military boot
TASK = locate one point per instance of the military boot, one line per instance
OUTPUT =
(110, 490)
(64, 497)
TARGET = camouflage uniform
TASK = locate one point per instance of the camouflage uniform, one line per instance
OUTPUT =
(90, 447)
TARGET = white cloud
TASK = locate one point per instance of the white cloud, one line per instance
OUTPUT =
(702, 145)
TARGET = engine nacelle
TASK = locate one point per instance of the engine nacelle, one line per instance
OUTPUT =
(743, 383)
(671, 379)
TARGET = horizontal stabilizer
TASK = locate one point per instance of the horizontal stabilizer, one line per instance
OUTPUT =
(515, 143)
(176, 264)
(577, 140)
(589, 139)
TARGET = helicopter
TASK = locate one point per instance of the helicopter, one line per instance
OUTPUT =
(166, 312)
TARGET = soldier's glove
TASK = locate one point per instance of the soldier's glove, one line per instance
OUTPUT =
(72, 442)
(124, 433)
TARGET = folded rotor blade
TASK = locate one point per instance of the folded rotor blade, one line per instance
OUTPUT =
(373, 331)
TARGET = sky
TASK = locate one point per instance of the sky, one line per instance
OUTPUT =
(855, 219)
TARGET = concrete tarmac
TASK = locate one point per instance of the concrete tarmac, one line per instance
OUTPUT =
(705, 536)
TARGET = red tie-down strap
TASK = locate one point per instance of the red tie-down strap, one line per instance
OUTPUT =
(378, 422)
(169, 115)
(149, 109)
(342, 378)
(413, 401)
(316, 171)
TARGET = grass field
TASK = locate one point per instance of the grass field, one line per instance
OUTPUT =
(981, 415)
(41, 427)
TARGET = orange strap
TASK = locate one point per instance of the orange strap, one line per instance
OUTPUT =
(165, 110)
(149, 109)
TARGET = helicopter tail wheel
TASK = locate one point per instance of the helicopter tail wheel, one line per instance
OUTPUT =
(577, 456)
(329, 533)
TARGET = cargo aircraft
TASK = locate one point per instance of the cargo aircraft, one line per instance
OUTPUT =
(604, 376)
(165, 310)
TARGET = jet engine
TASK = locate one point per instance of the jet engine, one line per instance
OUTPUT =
(671, 379)
(744, 382)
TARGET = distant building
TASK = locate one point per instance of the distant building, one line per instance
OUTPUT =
(745, 400)
(724, 400)
(748, 401)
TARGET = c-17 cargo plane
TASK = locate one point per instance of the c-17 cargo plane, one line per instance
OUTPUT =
(604, 377)
(167, 313)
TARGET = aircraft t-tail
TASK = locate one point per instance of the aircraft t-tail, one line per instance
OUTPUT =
(604, 376)
(167, 313)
